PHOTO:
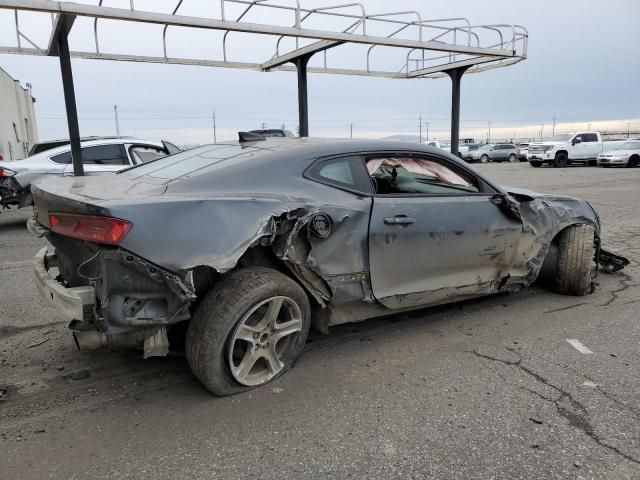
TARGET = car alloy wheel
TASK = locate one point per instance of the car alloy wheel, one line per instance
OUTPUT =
(263, 337)
(512, 158)
(561, 160)
(484, 159)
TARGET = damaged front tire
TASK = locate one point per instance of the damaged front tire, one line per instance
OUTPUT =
(248, 330)
(575, 260)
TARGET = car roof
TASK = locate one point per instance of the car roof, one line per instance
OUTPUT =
(92, 143)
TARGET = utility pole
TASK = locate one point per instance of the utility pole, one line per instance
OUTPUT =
(589, 126)
(427, 124)
(628, 129)
(541, 130)
(553, 129)
(215, 139)
(489, 136)
(115, 111)
(420, 129)
(263, 126)
(283, 126)
(351, 130)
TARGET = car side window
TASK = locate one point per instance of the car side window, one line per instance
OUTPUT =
(343, 172)
(144, 154)
(580, 138)
(589, 137)
(98, 155)
(104, 155)
(64, 158)
(419, 175)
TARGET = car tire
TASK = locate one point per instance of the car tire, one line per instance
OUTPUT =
(513, 158)
(535, 163)
(561, 160)
(575, 260)
(226, 314)
(592, 163)
(484, 159)
(634, 161)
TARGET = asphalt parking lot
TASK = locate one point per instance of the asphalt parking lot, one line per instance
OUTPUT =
(484, 389)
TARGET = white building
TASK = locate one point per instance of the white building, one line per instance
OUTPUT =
(18, 128)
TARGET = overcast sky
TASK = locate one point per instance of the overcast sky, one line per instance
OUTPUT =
(583, 67)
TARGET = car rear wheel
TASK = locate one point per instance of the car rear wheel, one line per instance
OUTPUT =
(512, 158)
(535, 163)
(561, 160)
(484, 159)
(575, 264)
(634, 161)
(247, 331)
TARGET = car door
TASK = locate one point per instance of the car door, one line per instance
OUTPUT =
(580, 150)
(433, 241)
(592, 146)
(498, 153)
(100, 159)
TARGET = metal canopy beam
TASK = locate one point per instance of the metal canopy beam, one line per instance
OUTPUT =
(456, 76)
(61, 28)
(111, 13)
(299, 52)
(450, 66)
(457, 37)
(59, 46)
(303, 102)
(201, 63)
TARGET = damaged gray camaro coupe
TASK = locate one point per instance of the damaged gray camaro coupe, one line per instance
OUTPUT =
(252, 243)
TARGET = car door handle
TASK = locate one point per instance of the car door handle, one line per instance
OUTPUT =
(399, 220)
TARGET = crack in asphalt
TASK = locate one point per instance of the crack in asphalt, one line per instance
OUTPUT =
(566, 308)
(624, 285)
(577, 415)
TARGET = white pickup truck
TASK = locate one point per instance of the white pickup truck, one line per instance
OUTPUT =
(561, 150)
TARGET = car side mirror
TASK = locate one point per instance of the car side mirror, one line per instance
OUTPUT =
(575, 140)
(498, 199)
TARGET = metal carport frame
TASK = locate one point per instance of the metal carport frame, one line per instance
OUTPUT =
(459, 46)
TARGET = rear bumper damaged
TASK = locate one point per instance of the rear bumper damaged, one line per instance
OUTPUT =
(123, 301)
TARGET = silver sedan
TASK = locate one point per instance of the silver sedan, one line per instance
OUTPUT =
(625, 154)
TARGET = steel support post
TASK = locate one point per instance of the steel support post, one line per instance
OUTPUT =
(455, 75)
(303, 103)
(70, 104)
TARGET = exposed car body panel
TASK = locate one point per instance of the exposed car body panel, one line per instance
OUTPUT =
(216, 209)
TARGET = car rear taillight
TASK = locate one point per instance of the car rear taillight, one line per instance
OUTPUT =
(91, 228)
(5, 172)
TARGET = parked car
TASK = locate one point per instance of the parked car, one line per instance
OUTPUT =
(50, 144)
(471, 147)
(623, 153)
(106, 155)
(567, 148)
(498, 152)
(273, 132)
(253, 243)
(522, 151)
(463, 149)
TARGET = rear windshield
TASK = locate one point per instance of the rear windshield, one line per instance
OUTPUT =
(185, 163)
